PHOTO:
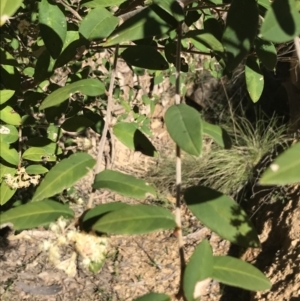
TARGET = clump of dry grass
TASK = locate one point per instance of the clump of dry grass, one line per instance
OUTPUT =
(226, 170)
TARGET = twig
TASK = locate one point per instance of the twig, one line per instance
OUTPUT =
(20, 146)
(107, 122)
(97, 47)
(180, 293)
(73, 11)
(297, 47)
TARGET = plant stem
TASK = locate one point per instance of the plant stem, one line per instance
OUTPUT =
(178, 171)
(107, 122)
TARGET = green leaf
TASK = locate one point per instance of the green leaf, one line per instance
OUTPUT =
(10, 116)
(36, 169)
(133, 138)
(201, 37)
(285, 169)
(53, 26)
(240, 31)
(90, 87)
(10, 155)
(153, 297)
(149, 22)
(38, 154)
(171, 7)
(76, 124)
(136, 219)
(102, 3)
(5, 169)
(93, 215)
(8, 134)
(98, 24)
(185, 128)
(218, 134)
(5, 95)
(267, 53)
(236, 272)
(121, 183)
(222, 215)
(7, 9)
(144, 57)
(254, 78)
(35, 214)
(63, 175)
(282, 22)
(6, 193)
(199, 268)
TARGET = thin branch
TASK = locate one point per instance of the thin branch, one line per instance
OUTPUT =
(107, 121)
(97, 47)
(206, 7)
(69, 8)
(297, 47)
(180, 293)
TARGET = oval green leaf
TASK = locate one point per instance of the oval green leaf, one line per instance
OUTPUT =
(282, 22)
(10, 155)
(240, 31)
(153, 297)
(5, 95)
(98, 24)
(123, 184)
(63, 175)
(199, 268)
(171, 7)
(6, 193)
(36, 169)
(218, 134)
(5, 169)
(7, 9)
(254, 78)
(10, 116)
(101, 3)
(35, 214)
(8, 134)
(38, 154)
(93, 215)
(76, 124)
(152, 18)
(144, 57)
(267, 53)
(202, 38)
(285, 169)
(185, 128)
(236, 272)
(90, 87)
(136, 219)
(53, 26)
(222, 215)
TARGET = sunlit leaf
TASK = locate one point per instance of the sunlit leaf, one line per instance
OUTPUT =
(121, 183)
(185, 128)
(98, 24)
(10, 116)
(8, 133)
(36, 169)
(222, 215)
(63, 175)
(90, 87)
(5, 95)
(149, 22)
(53, 27)
(35, 214)
(236, 272)
(285, 169)
(10, 155)
(282, 22)
(38, 154)
(254, 78)
(7, 9)
(6, 193)
(136, 219)
(198, 269)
